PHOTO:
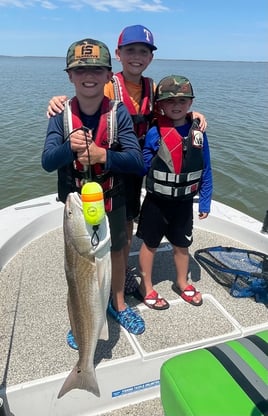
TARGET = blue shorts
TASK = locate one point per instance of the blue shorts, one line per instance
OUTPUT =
(160, 217)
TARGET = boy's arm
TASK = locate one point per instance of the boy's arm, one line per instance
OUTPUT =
(205, 192)
(56, 152)
(151, 146)
(203, 122)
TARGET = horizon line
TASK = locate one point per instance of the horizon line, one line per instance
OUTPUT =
(155, 59)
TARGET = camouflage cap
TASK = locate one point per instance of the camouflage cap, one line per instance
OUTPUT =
(173, 86)
(88, 52)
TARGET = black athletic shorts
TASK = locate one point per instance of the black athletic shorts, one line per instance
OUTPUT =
(160, 217)
(133, 184)
(117, 223)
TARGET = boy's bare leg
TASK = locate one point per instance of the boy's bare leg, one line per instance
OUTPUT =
(118, 279)
(130, 226)
(131, 283)
(146, 259)
(181, 260)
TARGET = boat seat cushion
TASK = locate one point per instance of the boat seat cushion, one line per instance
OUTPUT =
(230, 378)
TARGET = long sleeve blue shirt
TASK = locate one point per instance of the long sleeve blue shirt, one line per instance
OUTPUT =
(57, 151)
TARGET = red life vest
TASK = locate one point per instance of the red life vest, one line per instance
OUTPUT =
(177, 167)
(104, 137)
(142, 119)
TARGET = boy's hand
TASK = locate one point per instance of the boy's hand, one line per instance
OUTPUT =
(93, 155)
(203, 122)
(56, 105)
(78, 141)
(203, 215)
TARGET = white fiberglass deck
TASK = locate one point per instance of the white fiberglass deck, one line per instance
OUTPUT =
(34, 356)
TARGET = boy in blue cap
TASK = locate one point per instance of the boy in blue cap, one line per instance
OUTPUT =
(135, 52)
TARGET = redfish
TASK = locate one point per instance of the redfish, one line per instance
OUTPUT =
(88, 274)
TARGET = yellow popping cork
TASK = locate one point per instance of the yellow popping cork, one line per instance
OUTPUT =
(93, 203)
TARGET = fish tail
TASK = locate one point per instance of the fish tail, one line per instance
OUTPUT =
(80, 379)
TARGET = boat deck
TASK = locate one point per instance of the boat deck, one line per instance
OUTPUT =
(34, 323)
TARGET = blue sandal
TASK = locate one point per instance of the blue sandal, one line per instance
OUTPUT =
(129, 319)
(71, 341)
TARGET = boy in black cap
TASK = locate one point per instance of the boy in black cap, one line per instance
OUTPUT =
(70, 148)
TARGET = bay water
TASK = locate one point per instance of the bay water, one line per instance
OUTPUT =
(232, 95)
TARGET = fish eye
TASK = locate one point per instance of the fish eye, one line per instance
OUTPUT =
(70, 213)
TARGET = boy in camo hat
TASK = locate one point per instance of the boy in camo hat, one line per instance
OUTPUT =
(88, 65)
(177, 164)
(88, 53)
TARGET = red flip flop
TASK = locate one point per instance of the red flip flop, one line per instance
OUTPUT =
(152, 300)
(188, 294)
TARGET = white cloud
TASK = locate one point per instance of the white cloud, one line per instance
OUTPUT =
(126, 5)
(48, 5)
(101, 5)
(15, 3)
(28, 3)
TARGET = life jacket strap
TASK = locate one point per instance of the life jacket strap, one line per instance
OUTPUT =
(176, 178)
(172, 192)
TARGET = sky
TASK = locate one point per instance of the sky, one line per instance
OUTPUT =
(222, 30)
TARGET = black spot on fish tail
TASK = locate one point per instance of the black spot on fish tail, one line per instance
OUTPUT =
(80, 379)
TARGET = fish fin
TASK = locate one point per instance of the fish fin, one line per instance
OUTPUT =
(104, 334)
(79, 379)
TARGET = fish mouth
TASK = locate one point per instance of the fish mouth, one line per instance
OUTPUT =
(75, 196)
(72, 203)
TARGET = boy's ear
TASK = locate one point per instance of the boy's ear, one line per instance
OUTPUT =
(70, 75)
(117, 54)
(109, 76)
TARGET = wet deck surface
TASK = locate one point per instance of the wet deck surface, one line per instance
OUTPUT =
(34, 319)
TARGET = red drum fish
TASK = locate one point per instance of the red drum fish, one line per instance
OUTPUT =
(88, 275)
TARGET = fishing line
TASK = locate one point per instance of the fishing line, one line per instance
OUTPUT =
(88, 179)
(95, 238)
(88, 169)
(85, 130)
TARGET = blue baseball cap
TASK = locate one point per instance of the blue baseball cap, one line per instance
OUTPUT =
(136, 34)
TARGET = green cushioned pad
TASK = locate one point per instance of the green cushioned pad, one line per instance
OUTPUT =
(230, 379)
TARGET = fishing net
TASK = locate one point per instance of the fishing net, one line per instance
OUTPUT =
(245, 272)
